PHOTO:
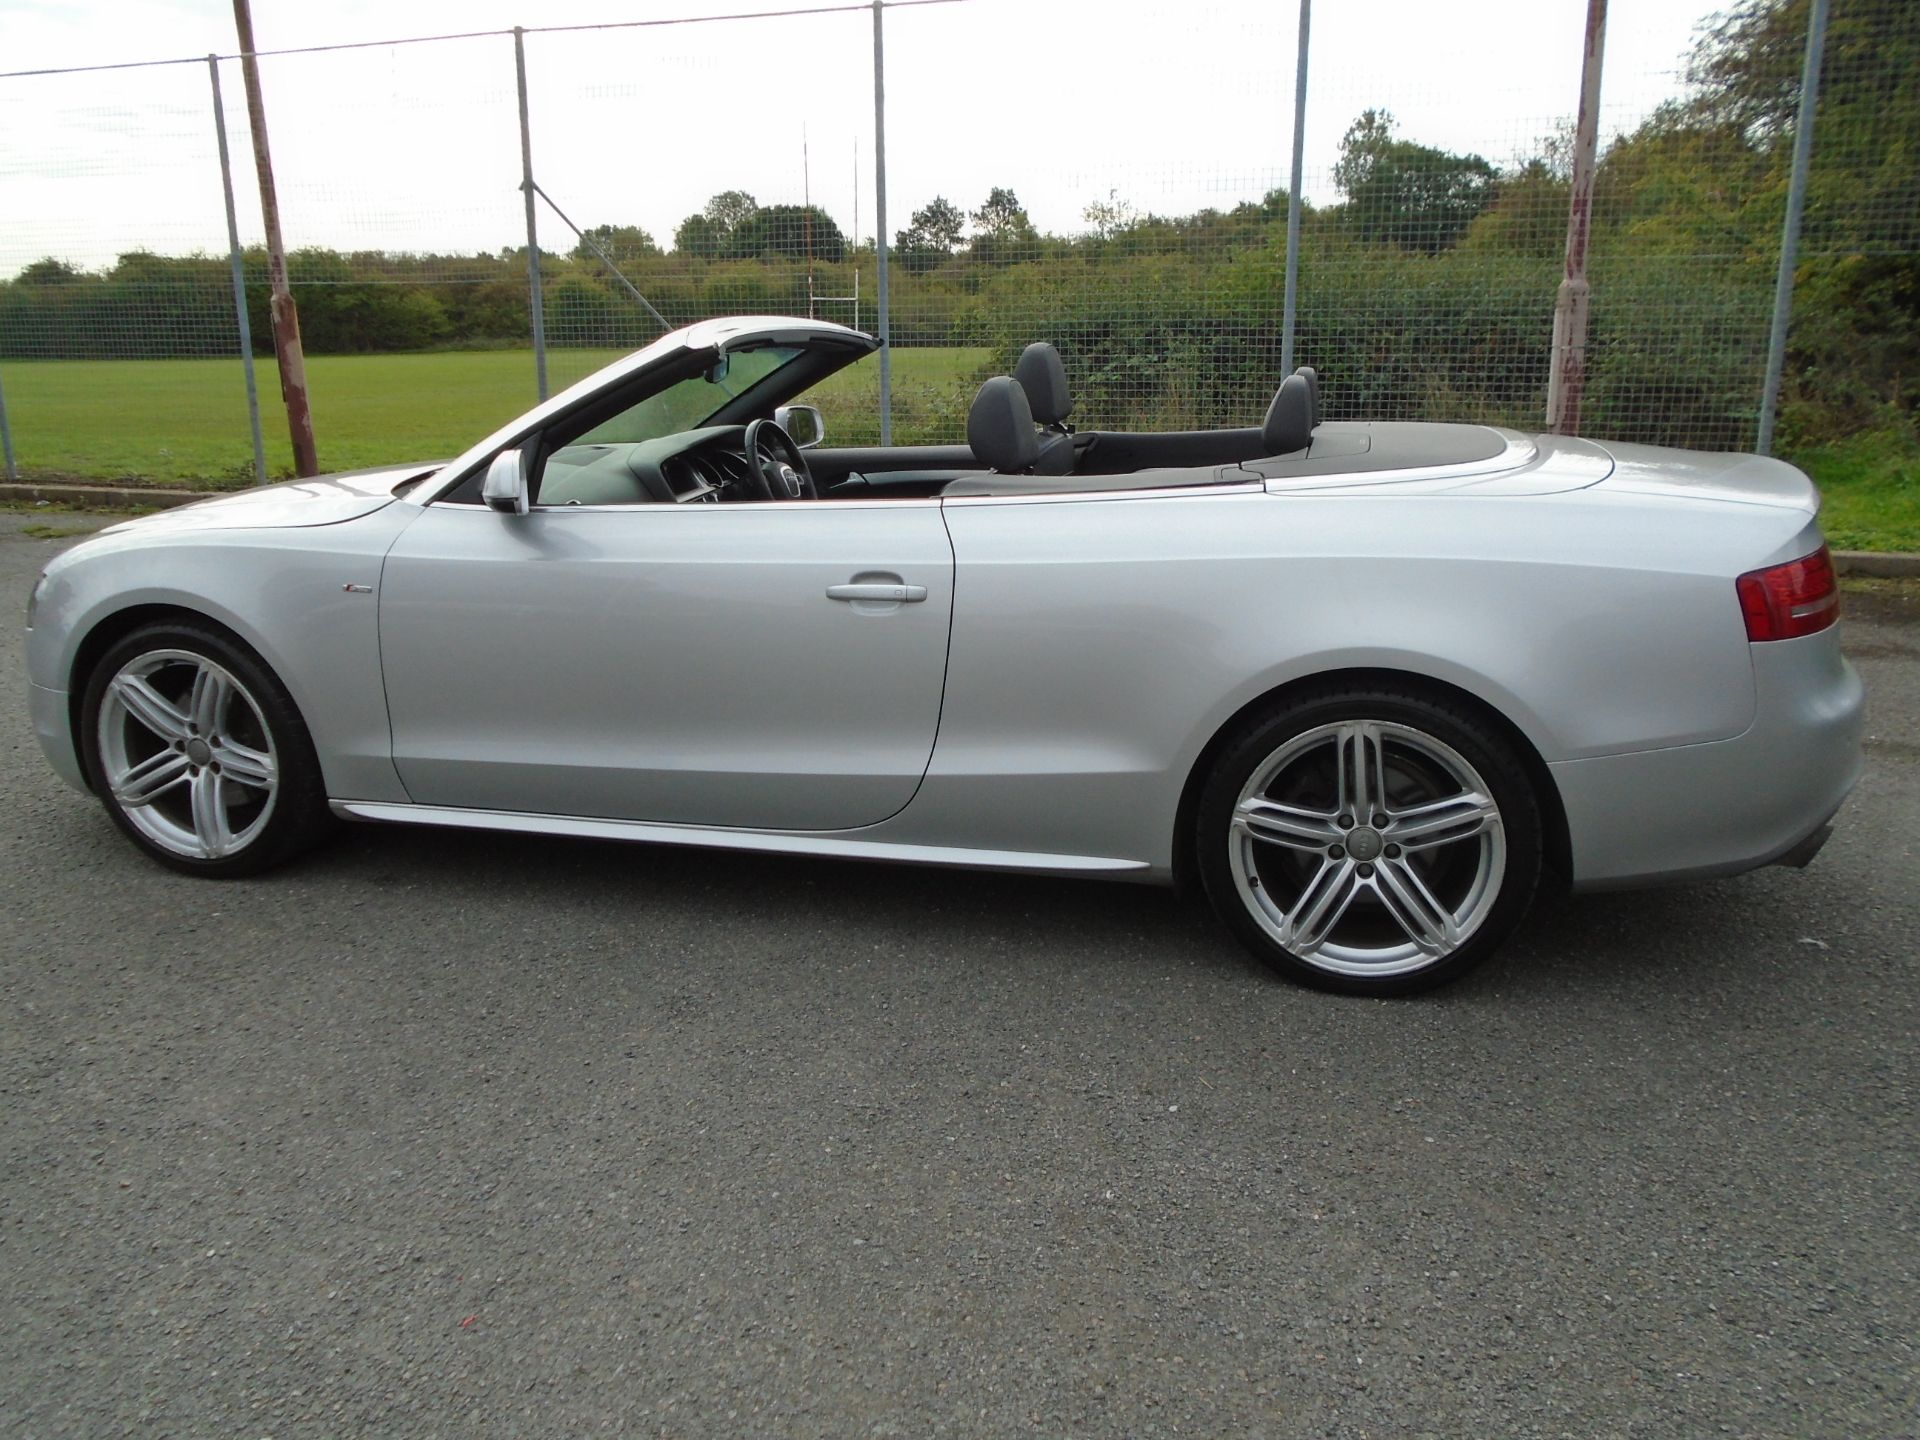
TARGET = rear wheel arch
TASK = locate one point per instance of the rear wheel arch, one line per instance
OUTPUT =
(1555, 832)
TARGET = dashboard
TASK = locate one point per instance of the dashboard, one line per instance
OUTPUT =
(694, 467)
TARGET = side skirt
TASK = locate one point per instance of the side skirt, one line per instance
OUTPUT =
(771, 842)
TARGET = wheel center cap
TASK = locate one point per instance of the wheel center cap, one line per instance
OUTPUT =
(1363, 843)
(199, 752)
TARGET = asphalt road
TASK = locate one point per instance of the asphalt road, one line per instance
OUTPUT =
(446, 1134)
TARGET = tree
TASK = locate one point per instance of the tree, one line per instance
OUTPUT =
(697, 235)
(1413, 195)
(1110, 216)
(709, 233)
(731, 209)
(1002, 216)
(48, 272)
(933, 235)
(620, 243)
(787, 231)
(1002, 230)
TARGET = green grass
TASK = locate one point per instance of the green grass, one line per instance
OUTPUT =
(184, 422)
(1871, 485)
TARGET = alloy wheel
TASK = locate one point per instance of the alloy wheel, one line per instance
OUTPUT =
(1367, 848)
(186, 754)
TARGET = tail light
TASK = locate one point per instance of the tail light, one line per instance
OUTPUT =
(1798, 598)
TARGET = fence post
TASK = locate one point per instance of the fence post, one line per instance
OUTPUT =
(1790, 233)
(239, 276)
(1289, 315)
(286, 315)
(6, 439)
(880, 225)
(533, 239)
(1567, 372)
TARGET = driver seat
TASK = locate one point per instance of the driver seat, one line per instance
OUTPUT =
(1000, 428)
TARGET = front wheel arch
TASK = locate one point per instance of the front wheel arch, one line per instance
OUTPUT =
(1556, 835)
(107, 632)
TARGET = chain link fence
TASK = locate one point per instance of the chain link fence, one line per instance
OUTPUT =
(1130, 208)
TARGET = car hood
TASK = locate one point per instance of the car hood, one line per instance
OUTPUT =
(323, 500)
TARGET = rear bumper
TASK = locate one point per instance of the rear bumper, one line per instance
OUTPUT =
(1731, 805)
(54, 729)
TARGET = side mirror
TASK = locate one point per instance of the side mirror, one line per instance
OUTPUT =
(505, 488)
(804, 423)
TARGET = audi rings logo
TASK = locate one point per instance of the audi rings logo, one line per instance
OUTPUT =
(791, 481)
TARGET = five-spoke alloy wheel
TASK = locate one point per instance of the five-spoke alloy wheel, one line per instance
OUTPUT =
(1375, 842)
(198, 753)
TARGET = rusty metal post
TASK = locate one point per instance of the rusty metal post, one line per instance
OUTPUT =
(536, 302)
(286, 318)
(1568, 377)
(241, 324)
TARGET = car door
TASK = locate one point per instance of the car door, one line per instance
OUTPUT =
(770, 666)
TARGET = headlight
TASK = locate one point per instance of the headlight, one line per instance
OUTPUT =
(33, 600)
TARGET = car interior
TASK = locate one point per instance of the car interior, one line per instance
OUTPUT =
(1019, 442)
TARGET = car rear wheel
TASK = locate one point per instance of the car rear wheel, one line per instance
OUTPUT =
(198, 752)
(1374, 841)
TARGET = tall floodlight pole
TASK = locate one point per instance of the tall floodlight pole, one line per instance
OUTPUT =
(234, 263)
(286, 318)
(533, 238)
(1568, 376)
(1790, 233)
(1289, 314)
(880, 223)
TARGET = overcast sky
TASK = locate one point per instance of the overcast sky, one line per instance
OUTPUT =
(1169, 106)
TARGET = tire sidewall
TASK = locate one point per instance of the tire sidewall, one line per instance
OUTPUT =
(1478, 743)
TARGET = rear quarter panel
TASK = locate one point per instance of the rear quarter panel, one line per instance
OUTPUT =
(1099, 643)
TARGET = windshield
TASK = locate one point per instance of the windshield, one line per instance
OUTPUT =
(690, 403)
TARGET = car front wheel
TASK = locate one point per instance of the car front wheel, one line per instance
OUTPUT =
(198, 752)
(1370, 841)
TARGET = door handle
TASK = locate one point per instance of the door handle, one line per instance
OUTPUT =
(884, 591)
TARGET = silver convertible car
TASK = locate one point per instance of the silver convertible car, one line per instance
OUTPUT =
(1366, 684)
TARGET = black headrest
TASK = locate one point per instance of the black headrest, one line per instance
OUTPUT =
(1000, 427)
(1042, 375)
(1289, 424)
(1313, 384)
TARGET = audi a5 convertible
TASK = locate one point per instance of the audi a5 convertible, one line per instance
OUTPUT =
(1365, 684)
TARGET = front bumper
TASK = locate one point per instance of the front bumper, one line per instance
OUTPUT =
(53, 725)
(1730, 805)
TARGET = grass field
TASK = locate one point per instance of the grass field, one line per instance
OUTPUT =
(184, 422)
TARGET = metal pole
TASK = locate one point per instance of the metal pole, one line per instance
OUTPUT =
(1790, 234)
(239, 276)
(1566, 379)
(6, 439)
(880, 225)
(605, 259)
(533, 239)
(1289, 315)
(286, 317)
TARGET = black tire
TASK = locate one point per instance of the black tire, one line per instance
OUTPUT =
(279, 816)
(1473, 873)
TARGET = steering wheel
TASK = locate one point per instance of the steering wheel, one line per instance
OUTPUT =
(779, 476)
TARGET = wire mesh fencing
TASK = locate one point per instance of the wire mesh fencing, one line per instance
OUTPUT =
(1131, 207)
